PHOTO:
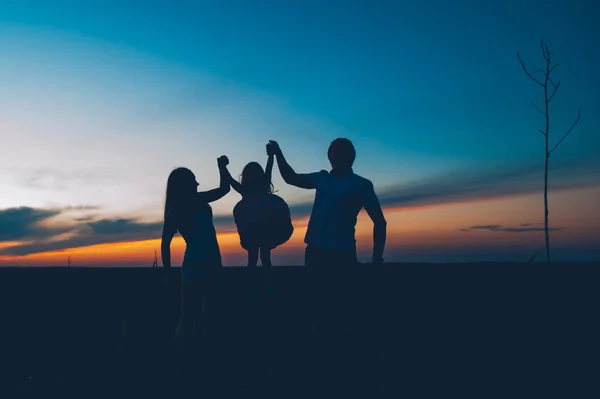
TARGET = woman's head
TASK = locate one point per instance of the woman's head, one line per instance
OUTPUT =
(181, 189)
(255, 179)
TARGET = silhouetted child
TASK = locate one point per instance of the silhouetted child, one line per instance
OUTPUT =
(262, 218)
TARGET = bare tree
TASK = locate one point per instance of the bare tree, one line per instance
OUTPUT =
(548, 85)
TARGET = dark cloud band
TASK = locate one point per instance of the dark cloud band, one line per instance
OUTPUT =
(18, 224)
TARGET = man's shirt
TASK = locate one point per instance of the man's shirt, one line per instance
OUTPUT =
(338, 201)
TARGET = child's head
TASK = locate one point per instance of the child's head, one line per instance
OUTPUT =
(181, 189)
(255, 179)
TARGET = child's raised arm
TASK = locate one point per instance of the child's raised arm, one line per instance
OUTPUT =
(269, 169)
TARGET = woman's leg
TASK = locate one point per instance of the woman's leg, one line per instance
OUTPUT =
(189, 313)
(209, 291)
(204, 319)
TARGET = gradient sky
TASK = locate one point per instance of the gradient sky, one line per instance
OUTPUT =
(98, 103)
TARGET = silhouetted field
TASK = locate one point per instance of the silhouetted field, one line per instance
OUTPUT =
(446, 330)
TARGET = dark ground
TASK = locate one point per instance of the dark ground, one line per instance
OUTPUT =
(446, 331)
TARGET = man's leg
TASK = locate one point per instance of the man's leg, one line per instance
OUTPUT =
(350, 287)
(313, 263)
(320, 351)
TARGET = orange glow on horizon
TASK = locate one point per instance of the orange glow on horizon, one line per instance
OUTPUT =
(414, 227)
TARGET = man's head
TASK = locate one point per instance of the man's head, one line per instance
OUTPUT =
(341, 154)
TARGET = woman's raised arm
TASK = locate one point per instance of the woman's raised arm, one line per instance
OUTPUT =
(224, 186)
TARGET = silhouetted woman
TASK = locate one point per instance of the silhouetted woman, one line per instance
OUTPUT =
(188, 212)
(262, 218)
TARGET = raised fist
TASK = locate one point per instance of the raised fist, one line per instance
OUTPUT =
(273, 148)
(223, 161)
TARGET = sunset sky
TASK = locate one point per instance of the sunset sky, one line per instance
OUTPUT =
(98, 103)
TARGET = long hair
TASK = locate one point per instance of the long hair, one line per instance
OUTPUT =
(254, 179)
(181, 190)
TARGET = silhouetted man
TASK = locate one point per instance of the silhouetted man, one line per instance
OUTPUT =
(340, 196)
(331, 244)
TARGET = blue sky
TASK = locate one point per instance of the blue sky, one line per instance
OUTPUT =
(379, 68)
(103, 99)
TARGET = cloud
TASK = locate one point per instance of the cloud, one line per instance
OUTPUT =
(466, 185)
(56, 179)
(491, 227)
(480, 184)
(121, 227)
(85, 219)
(20, 224)
(498, 227)
(81, 208)
(25, 223)
(224, 224)
(486, 183)
(527, 229)
(103, 231)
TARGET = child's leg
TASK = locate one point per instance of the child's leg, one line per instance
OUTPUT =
(267, 326)
(265, 259)
(265, 256)
(252, 256)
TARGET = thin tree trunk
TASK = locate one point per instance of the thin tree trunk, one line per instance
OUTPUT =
(546, 210)
(546, 161)
(547, 56)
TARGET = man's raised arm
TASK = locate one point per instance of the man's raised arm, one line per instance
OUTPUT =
(288, 174)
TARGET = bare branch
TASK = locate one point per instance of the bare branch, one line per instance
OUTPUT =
(539, 110)
(551, 81)
(567, 133)
(538, 70)
(554, 92)
(527, 72)
(544, 50)
(552, 69)
(542, 132)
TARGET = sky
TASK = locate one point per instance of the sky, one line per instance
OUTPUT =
(100, 101)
